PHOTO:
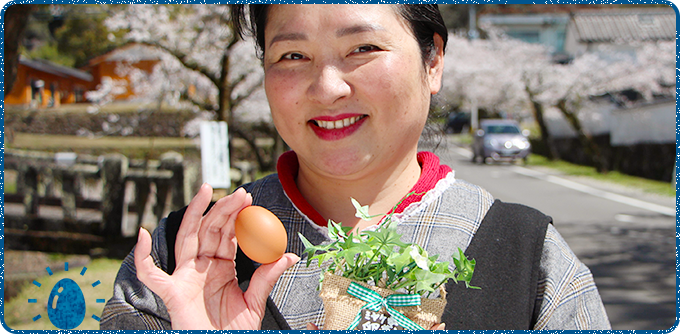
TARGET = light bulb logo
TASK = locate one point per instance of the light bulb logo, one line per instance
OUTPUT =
(66, 303)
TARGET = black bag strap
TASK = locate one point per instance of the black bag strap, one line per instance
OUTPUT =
(273, 320)
(507, 247)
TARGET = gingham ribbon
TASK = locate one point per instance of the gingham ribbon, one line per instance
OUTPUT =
(375, 302)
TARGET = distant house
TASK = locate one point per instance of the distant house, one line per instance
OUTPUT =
(40, 83)
(113, 64)
(618, 30)
(548, 29)
(571, 30)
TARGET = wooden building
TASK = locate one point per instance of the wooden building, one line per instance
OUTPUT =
(113, 65)
(40, 83)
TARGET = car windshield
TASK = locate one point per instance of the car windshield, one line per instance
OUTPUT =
(502, 128)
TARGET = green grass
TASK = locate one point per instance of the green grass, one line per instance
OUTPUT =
(646, 185)
(464, 139)
(43, 142)
(10, 187)
(19, 313)
(132, 147)
(83, 108)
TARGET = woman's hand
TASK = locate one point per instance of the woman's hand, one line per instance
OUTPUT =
(203, 291)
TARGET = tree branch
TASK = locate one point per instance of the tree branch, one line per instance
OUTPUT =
(235, 102)
(183, 58)
(203, 105)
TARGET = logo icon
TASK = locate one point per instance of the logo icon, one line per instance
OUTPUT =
(66, 303)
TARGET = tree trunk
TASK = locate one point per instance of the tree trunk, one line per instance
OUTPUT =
(16, 19)
(546, 138)
(589, 145)
(279, 147)
(262, 165)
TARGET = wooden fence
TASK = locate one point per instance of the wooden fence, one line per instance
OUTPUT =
(75, 223)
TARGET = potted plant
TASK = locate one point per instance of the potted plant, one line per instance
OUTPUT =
(373, 280)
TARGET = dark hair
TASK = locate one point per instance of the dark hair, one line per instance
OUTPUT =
(424, 20)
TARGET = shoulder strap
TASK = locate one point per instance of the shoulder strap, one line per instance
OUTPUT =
(273, 320)
(507, 247)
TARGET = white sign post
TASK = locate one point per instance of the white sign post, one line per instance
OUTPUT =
(215, 156)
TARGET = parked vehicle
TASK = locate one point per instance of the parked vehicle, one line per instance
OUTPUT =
(457, 122)
(500, 140)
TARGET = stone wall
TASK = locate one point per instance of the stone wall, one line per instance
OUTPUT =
(651, 161)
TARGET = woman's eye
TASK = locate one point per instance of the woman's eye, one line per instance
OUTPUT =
(366, 48)
(292, 56)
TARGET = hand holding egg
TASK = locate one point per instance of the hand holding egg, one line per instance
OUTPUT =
(260, 234)
(203, 291)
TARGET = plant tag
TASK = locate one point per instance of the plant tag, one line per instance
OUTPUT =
(376, 321)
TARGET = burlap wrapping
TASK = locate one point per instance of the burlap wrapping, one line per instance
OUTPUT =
(342, 308)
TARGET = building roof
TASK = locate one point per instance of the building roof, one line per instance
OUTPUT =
(525, 19)
(625, 25)
(132, 52)
(54, 69)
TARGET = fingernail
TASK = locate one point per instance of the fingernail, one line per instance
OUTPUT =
(442, 326)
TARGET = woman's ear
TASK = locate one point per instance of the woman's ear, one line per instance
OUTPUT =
(435, 68)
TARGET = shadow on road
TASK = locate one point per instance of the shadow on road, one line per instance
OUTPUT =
(634, 269)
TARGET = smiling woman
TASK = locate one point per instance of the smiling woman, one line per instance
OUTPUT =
(349, 88)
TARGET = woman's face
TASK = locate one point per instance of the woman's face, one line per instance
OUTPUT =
(347, 87)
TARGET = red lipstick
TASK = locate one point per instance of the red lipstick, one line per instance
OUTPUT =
(336, 127)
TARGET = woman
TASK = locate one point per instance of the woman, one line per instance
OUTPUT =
(349, 88)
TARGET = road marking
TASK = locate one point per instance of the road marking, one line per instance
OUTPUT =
(463, 152)
(624, 218)
(664, 210)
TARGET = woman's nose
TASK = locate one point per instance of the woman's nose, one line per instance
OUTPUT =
(329, 85)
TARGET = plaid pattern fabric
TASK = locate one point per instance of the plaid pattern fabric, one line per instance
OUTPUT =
(445, 219)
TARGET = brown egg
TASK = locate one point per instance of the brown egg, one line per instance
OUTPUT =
(260, 234)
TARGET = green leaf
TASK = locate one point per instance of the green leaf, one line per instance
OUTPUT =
(464, 268)
(349, 255)
(428, 280)
(335, 231)
(440, 268)
(323, 257)
(309, 248)
(346, 229)
(399, 260)
(420, 259)
(362, 211)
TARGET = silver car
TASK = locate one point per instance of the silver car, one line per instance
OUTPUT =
(500, 140)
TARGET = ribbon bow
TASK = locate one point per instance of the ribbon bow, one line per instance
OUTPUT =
(375, 302)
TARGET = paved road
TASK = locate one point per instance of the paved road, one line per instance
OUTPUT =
(625, 237)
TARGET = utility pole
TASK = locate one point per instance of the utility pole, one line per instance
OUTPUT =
(472, 12)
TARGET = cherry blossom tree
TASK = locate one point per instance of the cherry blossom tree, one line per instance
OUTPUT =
(203, 63)
(496, 74)
(649, 71)
(502, 73)
(478, 74)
